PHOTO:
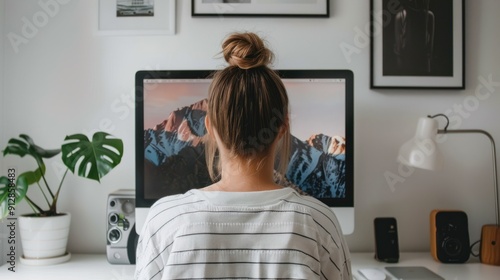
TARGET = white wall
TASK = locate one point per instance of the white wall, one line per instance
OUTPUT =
(2, 103)
(68, 79)
(3, 234)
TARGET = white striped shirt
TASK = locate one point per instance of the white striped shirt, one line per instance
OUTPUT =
(276, 234)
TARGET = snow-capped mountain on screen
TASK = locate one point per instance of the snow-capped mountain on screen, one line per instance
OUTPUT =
(175, 158)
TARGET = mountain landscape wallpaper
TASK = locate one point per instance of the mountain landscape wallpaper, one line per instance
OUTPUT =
(175, 159)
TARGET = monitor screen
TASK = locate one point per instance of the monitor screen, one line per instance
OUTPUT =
(170, 158)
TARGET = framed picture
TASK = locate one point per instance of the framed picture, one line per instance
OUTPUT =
(260, 8)
(136, 17)
(417, 44)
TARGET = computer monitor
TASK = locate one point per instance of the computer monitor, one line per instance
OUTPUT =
(170, 158)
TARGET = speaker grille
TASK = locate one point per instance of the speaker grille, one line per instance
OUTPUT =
(450, 236)
(121, 238)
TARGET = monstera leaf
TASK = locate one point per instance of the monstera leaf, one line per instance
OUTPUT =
(5, 184)
(11, 194)
(24, 145)
(92, 159)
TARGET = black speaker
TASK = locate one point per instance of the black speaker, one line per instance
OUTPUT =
(449, 236)
(120, 227)
(386, 239)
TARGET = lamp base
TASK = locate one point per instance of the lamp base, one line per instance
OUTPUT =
(490, 244)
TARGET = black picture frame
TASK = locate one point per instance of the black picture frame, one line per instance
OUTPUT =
(417, 44)
(257, 8)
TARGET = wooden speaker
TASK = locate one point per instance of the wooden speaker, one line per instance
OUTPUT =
(449, 236)
(490, 244)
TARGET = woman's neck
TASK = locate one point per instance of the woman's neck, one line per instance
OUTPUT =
(243, 176)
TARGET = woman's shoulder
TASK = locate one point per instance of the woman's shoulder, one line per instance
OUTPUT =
(310, 203)
(321, 213)
(174, 201)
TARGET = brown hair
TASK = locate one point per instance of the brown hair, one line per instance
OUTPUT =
(247, 104)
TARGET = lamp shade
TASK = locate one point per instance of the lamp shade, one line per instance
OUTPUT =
(421, 151)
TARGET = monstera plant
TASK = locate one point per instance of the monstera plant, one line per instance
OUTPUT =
(88, 159)
(91, 159)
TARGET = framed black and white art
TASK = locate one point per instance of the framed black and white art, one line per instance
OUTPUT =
(136, 17)
(417, 44)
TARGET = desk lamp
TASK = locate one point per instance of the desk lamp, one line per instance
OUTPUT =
(422, 152)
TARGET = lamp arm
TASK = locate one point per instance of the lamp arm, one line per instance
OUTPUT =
(494, 157)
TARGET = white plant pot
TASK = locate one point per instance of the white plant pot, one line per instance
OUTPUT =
(44, 237)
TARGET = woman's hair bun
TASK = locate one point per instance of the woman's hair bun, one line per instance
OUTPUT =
(246, 50)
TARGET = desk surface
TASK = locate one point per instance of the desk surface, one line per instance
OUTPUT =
(471, 270)
(82, 266)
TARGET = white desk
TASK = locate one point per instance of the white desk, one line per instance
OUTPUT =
(472, 270)
(96, 267)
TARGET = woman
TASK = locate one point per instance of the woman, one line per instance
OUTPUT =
(244, 226)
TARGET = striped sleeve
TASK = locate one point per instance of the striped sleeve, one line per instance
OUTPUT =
(335, 256)
(151, 247)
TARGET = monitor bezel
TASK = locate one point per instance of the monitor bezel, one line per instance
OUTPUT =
(142, 75)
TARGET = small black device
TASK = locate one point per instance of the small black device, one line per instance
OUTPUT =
(386, 239)
(121, 237)
(449, 236)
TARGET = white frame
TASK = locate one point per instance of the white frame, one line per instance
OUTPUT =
(377, 80)
(276, 8)
(162, 23)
